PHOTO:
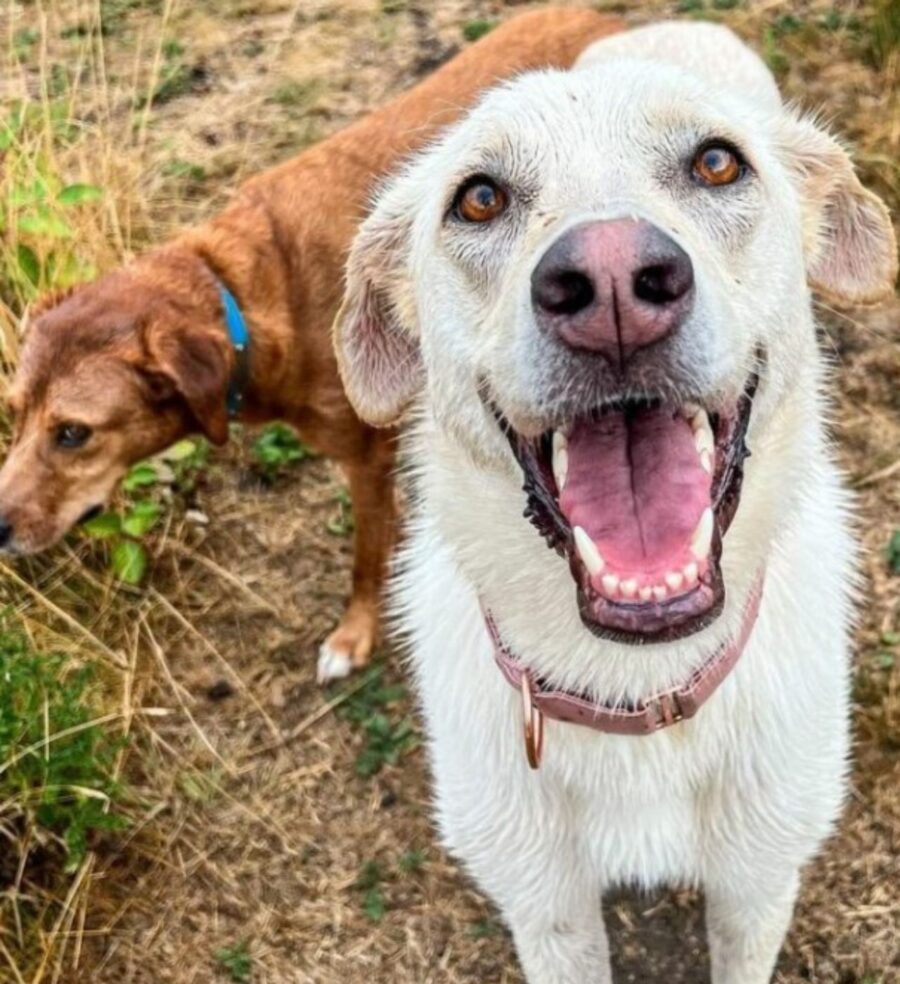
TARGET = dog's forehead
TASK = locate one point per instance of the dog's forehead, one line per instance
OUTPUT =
(620, 108)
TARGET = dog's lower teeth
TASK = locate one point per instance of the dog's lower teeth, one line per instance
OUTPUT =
(660, 593)
(691, 573)
(645, 594)
(629, 588)
(701, 541)
(588, 552)
(610, 584)
(674, 580)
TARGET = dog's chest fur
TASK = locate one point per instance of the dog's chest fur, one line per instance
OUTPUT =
(676, 806)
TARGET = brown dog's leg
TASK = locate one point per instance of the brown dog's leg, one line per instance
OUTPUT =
(371, 482)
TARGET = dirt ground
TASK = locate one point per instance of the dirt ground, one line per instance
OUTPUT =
(260, 852)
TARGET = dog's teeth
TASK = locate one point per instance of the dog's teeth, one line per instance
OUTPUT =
(560, 459)
(629, 588)
(660, 593)
(690, 410)
(645, 594)
(588, 552)
(706, 461)
(674, 579)
(703, 435)
(610, 584)
(702, 538)
(690, 572)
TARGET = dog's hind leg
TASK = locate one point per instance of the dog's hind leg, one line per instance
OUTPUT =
(746, 924)
(371, 481)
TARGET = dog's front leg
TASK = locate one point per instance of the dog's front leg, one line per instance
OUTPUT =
(746, 923)
(372, 495)
(549, 895)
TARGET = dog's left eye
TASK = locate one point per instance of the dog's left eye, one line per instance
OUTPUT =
(480, 199)
(718, 164)
(72, 435)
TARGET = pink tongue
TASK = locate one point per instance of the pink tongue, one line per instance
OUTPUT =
(636, 486)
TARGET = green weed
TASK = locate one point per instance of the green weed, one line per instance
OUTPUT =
(884, 32)
(277, 448)
(125, 529)
(474, 29)
(387, 737)
(56, 758)
(369, 883)
(236, 962)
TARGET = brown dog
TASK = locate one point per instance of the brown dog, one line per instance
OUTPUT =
(119, 369)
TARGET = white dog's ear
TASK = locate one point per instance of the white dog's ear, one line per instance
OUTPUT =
(375, 333)
(849, 240)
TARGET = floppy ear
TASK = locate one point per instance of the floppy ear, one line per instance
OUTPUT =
(195, 366)
(375, 335)
(848, 236)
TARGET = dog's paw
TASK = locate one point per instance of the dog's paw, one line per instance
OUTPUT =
(334, 664)
(349, 647)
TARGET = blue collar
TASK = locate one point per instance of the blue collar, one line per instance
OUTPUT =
(239, 334)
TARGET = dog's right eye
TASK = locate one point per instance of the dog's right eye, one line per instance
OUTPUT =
(480, 199)
(72, 435)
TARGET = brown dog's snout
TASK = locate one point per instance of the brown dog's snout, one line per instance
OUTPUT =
(613, 287)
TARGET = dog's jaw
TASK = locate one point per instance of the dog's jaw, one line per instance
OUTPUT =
(656, 594)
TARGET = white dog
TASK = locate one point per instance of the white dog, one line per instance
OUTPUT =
(598, 284)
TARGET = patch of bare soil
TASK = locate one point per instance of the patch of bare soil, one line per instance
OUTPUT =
(258, 834)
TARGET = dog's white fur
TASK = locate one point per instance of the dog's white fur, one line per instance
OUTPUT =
(739, 798)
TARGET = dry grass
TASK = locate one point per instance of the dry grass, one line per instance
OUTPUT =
(253, 840)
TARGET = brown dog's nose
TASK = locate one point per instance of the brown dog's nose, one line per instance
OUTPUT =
(613, 287)
(6, 531)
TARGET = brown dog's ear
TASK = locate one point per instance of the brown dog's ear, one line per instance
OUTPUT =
(375, 333)
(848, 236)
(193, 364)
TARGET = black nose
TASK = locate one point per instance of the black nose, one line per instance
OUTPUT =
(6, 532)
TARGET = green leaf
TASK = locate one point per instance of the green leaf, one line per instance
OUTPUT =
(79, 194)
(42, 222)
(890, 638)
(104, 526)
(129, 562)
(140, 476)
(374, 905)
(236, 961)
(141, 518)
(29, 264)
(893, 553)
(475, 29)
(885, 660)
(180, 450)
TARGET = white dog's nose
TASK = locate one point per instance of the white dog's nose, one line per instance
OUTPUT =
(613, 287)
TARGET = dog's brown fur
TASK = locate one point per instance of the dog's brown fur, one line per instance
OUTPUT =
(142, 357)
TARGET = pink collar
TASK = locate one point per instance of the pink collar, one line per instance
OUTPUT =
(642, 718)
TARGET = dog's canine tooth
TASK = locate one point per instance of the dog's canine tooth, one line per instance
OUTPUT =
(703, 435)
(628, 588)
(611, 584)
(674, 579)
(690, 572)
(660, 592)
(588, 552)
(706, 461)
(702, 538)
(560, 459)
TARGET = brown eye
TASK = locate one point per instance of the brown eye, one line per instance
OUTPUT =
(480, 200)
(717, 164)
(71, 436)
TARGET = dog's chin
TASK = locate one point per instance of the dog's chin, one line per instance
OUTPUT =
(637, 495)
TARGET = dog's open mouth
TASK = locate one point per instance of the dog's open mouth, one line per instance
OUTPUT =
(637, 495)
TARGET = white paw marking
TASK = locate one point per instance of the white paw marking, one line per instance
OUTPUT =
(333, 665)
